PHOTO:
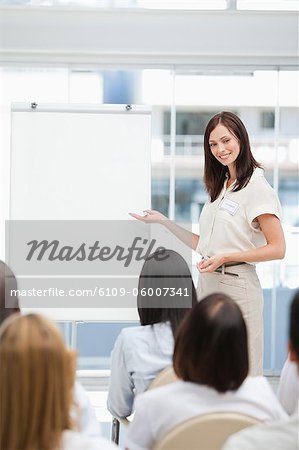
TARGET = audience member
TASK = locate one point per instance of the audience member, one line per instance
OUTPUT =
(9, 302)
(279, 435)
(288, 389)
(36, 380)
(166, 293)
(82, 412)
(211, 361)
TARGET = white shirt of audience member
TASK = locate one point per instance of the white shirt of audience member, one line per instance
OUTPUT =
(71, 440)
(282, 435)
(139, 354)
(161, 409)
(288, 389)
(83, 413)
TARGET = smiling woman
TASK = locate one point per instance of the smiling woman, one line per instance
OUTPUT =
(227, 153)
(225, 147)
(238, 227)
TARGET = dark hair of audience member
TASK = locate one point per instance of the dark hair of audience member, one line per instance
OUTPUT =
(9, 302)
(165, 291)
(211, 347)
(294, 324)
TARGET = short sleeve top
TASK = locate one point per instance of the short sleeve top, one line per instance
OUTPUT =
(227, 225)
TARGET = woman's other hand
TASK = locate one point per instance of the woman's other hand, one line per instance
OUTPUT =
(210, 264)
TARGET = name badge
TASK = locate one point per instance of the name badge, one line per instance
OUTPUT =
(229, 205)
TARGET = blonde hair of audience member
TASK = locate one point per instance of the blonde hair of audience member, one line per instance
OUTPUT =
(37, 374)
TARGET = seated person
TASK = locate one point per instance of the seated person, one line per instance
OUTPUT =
(82, 411)
(165, 293)
(288, 389)
(36, 381)
(278, 435)
(211, 361)
(9, 302)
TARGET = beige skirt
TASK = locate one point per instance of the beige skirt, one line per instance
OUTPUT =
(246, 291)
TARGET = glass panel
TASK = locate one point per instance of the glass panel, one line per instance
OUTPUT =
(23, 85)
(182, 4)
(34, 85)
(267, 120)
(274, 5)
(150, 4)
(86, 87)
(66, 330)
(160, 190)
(252, 95)
(157, 90)
(95, 342)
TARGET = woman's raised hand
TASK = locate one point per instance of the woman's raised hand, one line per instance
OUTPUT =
(150, 216)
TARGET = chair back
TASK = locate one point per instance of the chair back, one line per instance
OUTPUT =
(166, 376)
(205, 432)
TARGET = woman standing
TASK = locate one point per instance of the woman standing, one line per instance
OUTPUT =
(238, 227)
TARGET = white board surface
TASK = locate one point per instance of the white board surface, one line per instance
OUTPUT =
(80, 162)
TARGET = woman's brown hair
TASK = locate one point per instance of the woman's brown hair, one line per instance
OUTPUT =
(211, 346)
(214, 171)
(36, 380)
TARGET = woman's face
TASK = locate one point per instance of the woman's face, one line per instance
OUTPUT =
(224, 145)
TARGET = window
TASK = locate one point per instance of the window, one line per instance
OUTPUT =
(188, 123)
(267, 120)
(197, 97)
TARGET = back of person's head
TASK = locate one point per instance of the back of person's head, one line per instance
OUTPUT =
(211, 345)
(294, 328)
(36, 380)
(9, 303)
(165, 290)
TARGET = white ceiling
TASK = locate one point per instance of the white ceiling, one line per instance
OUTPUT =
(148, 37)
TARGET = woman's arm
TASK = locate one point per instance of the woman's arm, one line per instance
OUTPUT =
(274, 249)
(187, 237)
(152, 216)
